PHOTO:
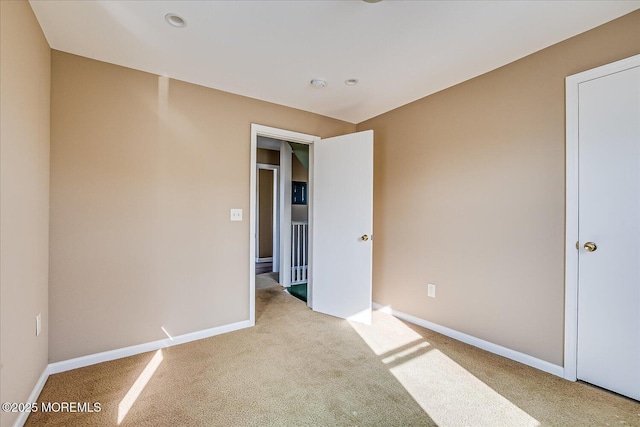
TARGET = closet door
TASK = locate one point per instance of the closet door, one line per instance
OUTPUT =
(608, 341)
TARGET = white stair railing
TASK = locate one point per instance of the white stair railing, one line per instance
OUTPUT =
(299, 252)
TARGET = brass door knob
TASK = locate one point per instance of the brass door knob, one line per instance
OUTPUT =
(364, 238)
(590, 247)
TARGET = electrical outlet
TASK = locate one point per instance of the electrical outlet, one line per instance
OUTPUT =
(38, 323)
(431, 290)
(236, 214)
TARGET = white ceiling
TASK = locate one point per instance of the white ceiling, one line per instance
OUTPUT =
(270, 50)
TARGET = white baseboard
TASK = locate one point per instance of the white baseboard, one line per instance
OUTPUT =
(105, 356)
(92, 359)
(476, 342)
(33, 397)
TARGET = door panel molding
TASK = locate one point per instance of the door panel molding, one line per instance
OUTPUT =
(571, 204)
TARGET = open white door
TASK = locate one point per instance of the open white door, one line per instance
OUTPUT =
(342, 223)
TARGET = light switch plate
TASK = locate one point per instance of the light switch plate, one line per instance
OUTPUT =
(236, 214)
(431, 290)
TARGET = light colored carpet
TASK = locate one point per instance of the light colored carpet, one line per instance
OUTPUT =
(300, 368)
(267, 280)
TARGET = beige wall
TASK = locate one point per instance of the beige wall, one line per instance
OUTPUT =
(24, 201)
(144, 171)
(269, 157)
(298, 171)
(469, 195)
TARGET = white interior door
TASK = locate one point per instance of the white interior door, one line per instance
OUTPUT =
(608, 343)
(342, 223)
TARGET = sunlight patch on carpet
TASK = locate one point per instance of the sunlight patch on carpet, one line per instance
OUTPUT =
(405, 353)
(447, 392)
(386, 333)
(132, 395)
(452, 396)
(363, 316)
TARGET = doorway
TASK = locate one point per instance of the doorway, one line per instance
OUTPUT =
(267, 212)
(277, 143)
(340, 220)
(300, 259)
(267, 226)
(602, 313)
(295, 160)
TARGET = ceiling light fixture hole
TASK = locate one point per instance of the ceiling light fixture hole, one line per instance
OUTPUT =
(175, 20)
(351, 82)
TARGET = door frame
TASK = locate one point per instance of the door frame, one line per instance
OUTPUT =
(275, 228)
(284, 135)
(572, 84)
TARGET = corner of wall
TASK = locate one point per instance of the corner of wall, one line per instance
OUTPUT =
(25, 83)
